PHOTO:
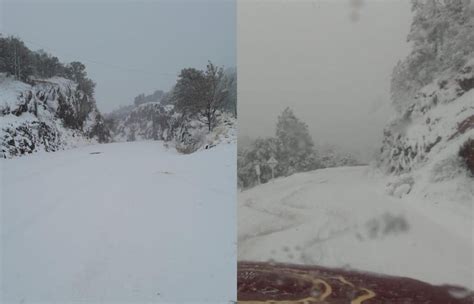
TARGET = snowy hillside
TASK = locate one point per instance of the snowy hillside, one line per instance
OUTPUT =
(342, 217)
(422, 148)
(428, 147)
(48, 115)
(132, 222)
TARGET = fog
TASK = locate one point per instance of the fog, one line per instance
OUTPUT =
(330, 61)
(129, 47)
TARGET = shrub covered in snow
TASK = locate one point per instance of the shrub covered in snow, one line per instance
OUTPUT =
(257, 153)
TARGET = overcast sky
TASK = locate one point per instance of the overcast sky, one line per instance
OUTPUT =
(328, 60)
(129, 47)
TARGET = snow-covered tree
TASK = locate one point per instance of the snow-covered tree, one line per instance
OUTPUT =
(16, 58)
(258, 153)
(442, 37)
(296, 151)
(201, 93)
(46, 65)
(292, 147)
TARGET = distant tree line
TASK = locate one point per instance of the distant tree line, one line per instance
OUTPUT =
(154, 97)
(17, 60)
(292, 147)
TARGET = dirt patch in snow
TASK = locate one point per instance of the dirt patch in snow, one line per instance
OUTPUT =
(465, 125)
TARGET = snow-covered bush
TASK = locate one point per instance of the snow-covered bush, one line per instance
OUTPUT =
(258, 153)
(27, 137)
(400, 186)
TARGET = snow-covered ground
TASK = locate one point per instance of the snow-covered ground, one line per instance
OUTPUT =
(136, 223)
(343, 217)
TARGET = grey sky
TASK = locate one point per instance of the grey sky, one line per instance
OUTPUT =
(313, 57)
(129, 47)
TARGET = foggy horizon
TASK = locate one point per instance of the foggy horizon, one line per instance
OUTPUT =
(128, 48)
(330, 62)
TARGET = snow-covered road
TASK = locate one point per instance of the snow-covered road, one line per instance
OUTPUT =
(341, 217)
(134, 223)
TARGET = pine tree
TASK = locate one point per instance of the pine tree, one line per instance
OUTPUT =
(201, 93)
(296, 152)
(442, 35)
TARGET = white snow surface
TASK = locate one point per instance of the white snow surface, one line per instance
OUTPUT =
(343, 217)
(10, 89)
(137, 223)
